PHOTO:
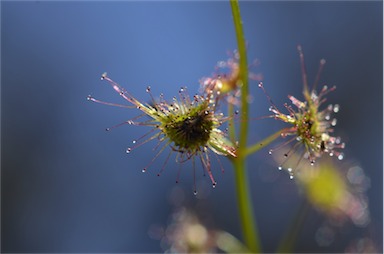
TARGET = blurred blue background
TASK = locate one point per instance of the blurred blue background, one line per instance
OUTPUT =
(68, 186)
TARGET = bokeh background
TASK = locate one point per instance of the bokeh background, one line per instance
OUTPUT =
(67, 185)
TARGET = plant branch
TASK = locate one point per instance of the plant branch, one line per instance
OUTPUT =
(244, 201)
(263, 143)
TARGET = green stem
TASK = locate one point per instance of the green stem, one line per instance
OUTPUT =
(287, 243)
(231, 127)
(263, 143)
(244, 200)
(243, 75)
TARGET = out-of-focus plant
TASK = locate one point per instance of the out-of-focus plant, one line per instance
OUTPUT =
(194, 128)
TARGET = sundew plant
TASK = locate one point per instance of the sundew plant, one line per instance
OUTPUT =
(199, 127)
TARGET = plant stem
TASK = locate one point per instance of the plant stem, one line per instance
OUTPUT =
(287, 243)
(243, 75)
(263, 143)
(244, 201)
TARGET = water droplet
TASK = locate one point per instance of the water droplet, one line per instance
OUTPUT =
(103, 76)
(334, 121)
(144, 170)
(237, 112)
(285, 155)
(214, 185)
(270, 151)
(148, 89)
(289, 169)
(312, 162)
(279, 167)
(291, 177)
(134, 141)
(121, 93)
(336, 108)
(128, 150)
(129, 122)
(107, 129)
(261, 84)
(195, 192)
(89, 97)
(341, 156)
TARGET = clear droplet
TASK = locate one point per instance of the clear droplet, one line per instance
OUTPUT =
(261, 84)
(214, 185)
(148, 89)
(270, 151)
(334, 121)
(89, 97)
(107, 129)
(340, 156)
(195, 192)
(279, 167)
(134, 141)
(144, 170)
(128, 150)
(289, 169)
(336, 108)
(291, 177)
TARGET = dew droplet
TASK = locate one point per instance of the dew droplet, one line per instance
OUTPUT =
(89, 97)
(291, 177)
(214, 185)
(261, 84)
(148, 89)
(270, 151)
(195, 192)
(144, 170)
(128, 150)
(107, 129)
(237, 112)
(134, 141)
(279, 167)
(341, 156)
(336, 108)
(289, 169)
(334, 121)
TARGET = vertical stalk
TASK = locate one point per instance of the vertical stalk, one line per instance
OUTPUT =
(244, 201)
